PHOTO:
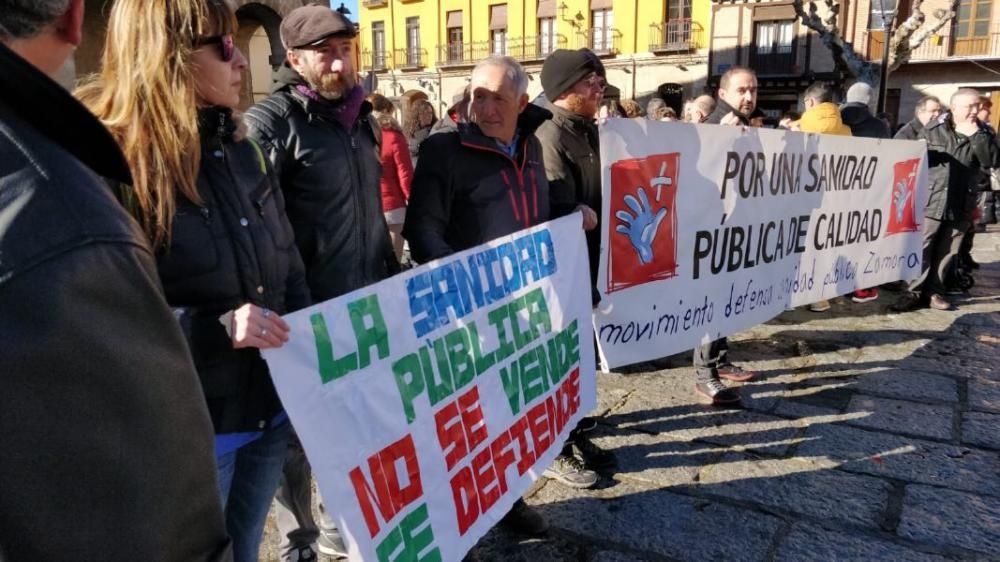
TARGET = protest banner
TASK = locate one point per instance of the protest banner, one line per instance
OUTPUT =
(429, 402)
(708, 230)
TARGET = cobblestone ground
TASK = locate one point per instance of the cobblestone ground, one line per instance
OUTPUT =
(868, 435)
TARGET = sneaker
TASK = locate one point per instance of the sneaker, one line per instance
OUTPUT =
(938, 302)
(592, 455)
(865, 295)
(908, 303)
(570, 471)
(820, 306)
(718, 393)
(331, 543)
(735, 373)
(299, 554)
(524, 520)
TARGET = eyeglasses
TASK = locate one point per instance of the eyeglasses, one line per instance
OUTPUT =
(225, 43)
(595, 81)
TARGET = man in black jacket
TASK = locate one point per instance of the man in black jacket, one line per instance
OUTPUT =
(857, 114)
(928, 109)
(317, 130)
(737, 100)
(107, 445)
(486, 180)
(958, 149)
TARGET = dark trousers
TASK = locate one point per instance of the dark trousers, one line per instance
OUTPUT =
(296, 522)
(707, 359)
(942, 242)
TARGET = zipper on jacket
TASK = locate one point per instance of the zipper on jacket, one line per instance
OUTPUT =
(520, 179)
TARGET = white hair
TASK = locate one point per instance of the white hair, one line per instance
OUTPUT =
(512, 70)
(21, 19)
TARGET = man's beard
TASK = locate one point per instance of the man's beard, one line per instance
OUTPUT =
(581, 105)
(332, 86)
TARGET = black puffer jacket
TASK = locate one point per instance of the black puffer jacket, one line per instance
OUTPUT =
(955, 164)
(910, 131)
(107, 449)
(859, 118)
(235, 248)
(470, 191)
(331, 180)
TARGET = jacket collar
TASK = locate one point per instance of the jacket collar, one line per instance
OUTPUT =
(560, 116)
(722, 109)
(55, 114)
(527, 122)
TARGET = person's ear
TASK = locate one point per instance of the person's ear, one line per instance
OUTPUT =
(69, 26)
(292, 56)
(523, 103)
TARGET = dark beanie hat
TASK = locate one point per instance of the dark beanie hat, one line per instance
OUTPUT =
(564, 68)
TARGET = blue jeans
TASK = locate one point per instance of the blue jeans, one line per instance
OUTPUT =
(248, 479)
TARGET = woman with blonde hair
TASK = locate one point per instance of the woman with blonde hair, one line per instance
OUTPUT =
(211, 208)
(417, 124)
(397, 170)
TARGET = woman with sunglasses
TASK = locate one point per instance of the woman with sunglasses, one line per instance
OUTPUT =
(212, 210)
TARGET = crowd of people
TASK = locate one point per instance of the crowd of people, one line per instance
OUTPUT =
(152, 236)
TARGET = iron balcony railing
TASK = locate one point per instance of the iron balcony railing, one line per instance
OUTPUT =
(458, 53)
(536, 47)
(674, 36)
(601, 40)
(778, 60)
(375, 60)
(944, 47)
(408, 59)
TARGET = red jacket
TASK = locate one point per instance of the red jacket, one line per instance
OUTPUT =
(397, 170)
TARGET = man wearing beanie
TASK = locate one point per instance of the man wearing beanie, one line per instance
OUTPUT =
(857, 114)
(574, 83)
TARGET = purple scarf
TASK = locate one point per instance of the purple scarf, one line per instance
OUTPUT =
(344, 111)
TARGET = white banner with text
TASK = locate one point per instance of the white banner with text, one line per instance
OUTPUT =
(429, 402)
(709, 229)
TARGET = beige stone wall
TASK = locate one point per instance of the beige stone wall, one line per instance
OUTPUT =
(254, 40)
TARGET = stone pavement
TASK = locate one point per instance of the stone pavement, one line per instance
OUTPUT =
(867, 436)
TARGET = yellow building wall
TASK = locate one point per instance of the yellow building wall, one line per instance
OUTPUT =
(632, 19)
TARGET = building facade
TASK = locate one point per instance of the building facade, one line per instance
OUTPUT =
(787, 56)
(768, 37)
(258, 38)
(428, 47)
(963, 53)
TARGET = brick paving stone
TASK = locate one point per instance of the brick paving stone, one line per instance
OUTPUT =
(799, 487)
(902, 458)
(984, 395)
(949, 518)
(657, 459)
(980, 428)
(901, 416)
(807, 542)
(909, 385)
(650, 520)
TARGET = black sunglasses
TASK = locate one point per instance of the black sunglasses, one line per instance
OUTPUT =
(225, 43)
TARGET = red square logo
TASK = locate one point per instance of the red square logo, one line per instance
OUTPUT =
(643, 234)
(902, 207)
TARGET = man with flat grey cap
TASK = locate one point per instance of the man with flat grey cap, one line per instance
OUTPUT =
(317, 130)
